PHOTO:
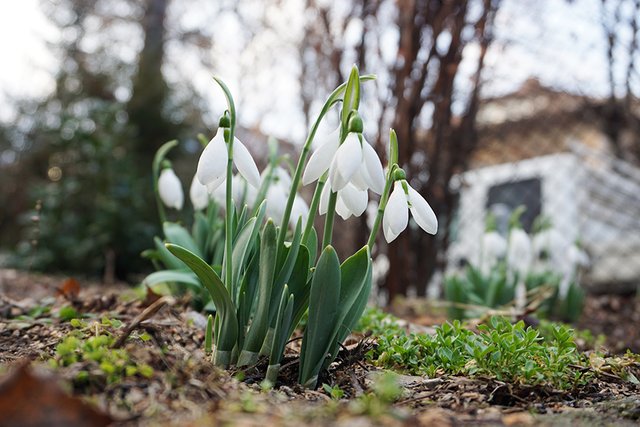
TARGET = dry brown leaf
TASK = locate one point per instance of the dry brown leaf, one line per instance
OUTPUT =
(29, 398)
(70, 289)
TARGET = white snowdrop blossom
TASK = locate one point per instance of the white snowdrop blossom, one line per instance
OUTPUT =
(243, 193)
(212, 166)
(300, 210)
(396, 216)
(355, 162)
(322, 157)
(350, 201)
(520, 252)
(575, 259)
(198, 195)
(170, 189)
(494, 247)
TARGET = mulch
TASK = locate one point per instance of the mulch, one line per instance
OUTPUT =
(185, 389)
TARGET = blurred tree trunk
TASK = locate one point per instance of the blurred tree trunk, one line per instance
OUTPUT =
(417, 93)
(150, 91)
(448, 143)
(620, 120)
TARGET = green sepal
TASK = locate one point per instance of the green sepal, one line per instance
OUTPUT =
(351, 99)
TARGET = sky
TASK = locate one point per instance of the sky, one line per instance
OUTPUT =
(559, 42)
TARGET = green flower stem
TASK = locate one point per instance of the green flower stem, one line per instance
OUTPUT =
(333, 98)
(381, 207)
(228, 232)
(328, 221)
(313, 208)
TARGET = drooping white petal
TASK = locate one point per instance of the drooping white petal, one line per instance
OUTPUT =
(324, 199)
(336, 180)
(198, 194)
(321, 159)
(361, 178)
(373, 167)
(396, 214)
(342, 209)
(240, 189)
(299, 210)
(170, 189)
(213, 161)
(520, 252)
(355, 200)
(346, 163)
(276, 203)
(214, 185)
(219, 193)
(422, 212)
(281, 177)
(245, 164)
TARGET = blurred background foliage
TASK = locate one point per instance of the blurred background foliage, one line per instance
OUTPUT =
(452, 76)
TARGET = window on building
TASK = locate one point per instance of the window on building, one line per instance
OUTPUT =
(504, 198)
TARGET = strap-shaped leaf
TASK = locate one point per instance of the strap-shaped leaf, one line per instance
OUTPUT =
(245, 242)
(200, 231)
(281, 334)
(174, 276)
(300, 287)
(227, 336)
(170, 262)
(285, 268)
(354, 312)
(260, 323)
(323, 311)
(178, 235)
(312, 247)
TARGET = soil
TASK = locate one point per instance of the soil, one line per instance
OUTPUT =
(185, 389)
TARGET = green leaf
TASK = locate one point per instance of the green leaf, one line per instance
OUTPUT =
(281, 334)
(312, 246)
(227, 335)
(300, 287)
(355, 275)
(178, 235)
(260, 323)
(245, 242)
(285, 270)
(323, 310)
(174, 276)
(169, 261)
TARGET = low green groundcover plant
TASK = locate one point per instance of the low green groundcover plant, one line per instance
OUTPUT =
(508, 352)
(92, 346)
(253, 255)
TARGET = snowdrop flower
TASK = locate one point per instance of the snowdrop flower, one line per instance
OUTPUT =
(355, 161)
(299, 210)
(198, 195)
(520, 253)
(396, 216)
(170, 189)
(549, 248)
(494, 247)
(243, 193)
(350, 201)
(212, 166)
(321, 158)
(575, 258)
